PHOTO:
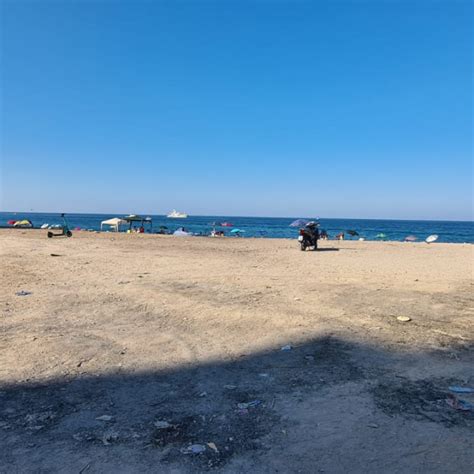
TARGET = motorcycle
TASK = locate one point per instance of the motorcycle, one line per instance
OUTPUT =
(309, 236)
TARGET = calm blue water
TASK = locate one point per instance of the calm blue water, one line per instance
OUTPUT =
(274, 227)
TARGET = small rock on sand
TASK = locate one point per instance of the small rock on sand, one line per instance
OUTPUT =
(403, 319)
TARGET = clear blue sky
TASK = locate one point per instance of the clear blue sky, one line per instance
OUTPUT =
(273, 108)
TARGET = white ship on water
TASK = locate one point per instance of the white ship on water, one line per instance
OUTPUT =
(174, 214)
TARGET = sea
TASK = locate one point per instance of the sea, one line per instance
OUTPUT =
(271, 227)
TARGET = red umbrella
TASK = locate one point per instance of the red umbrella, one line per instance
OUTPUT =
(11, 222)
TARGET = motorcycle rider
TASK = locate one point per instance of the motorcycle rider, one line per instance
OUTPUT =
(313, 229)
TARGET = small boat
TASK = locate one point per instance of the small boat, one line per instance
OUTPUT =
(174, 214)
(227, 224)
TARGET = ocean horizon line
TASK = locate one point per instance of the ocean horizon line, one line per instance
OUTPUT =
(298, 216)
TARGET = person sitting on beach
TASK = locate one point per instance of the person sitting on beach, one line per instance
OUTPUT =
(340, 236)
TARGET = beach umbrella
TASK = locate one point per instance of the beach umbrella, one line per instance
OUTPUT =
(11, 222)
(236, 231)
(381, 236)
(411, 238)
(299, 223)
(431, 238)
(353, 233)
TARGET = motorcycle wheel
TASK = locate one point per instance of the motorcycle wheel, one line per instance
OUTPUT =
(50, 234)
(69, 233)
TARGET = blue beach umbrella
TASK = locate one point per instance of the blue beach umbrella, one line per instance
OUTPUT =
(236, 231)
(299, 223)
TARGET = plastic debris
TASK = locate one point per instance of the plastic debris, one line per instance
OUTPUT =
(288, 347)
(246, 405)
(109, 436)
(105, 418)
(23, 293)
(456, 389)
(230, 387)
(403, 319)
(213, 447)
(162, 425)
(458, 404)
(194, 449)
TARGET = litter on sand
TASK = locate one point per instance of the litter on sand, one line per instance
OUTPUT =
(456, 389)
(23, 293)
(403, 319)
(194, 449)
(105, 418)
(288, 347)
(252, 404)
(109, 437)
(213, 447)
(161, 425)
(458, 404)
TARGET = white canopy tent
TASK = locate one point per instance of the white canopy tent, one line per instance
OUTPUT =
(114, 223)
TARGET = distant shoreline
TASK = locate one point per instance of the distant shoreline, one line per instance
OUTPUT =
(210, 216)
(261, 227)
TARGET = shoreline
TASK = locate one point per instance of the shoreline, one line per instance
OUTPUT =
(83, 232)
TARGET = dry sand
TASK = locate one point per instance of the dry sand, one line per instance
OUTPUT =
(146, 329)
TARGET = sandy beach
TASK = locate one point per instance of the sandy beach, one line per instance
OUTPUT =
(142, 353)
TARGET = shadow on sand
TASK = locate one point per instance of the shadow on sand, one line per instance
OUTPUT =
(276, 411)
